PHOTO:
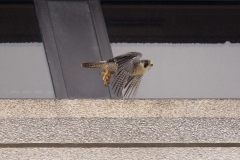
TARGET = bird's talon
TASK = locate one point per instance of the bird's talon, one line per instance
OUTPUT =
(106, 77)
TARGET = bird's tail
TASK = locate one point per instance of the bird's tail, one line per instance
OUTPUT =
(94, 64)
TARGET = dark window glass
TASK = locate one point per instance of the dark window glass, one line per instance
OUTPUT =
(18, 22)
(172, 22)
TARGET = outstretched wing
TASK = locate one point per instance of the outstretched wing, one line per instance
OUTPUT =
(123, 59)
(132, 86)
(125, 64)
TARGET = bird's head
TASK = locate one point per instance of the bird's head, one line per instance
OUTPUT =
(147, 64)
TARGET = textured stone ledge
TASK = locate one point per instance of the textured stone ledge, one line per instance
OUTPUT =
(119, 108)
(120, 130)
(120, 153)
(119, 121)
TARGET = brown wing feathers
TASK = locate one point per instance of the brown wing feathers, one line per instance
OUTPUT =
(125, 67)
(132, 86)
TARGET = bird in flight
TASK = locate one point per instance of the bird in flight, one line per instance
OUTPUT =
(127, 70)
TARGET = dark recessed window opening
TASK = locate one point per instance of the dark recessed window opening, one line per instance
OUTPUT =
(172, 22)
(18, 22)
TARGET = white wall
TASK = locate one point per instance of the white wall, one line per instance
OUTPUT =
(24, 71)
(179, 71)
(188, 70)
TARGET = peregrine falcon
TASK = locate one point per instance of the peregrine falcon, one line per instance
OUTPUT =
(127, 70)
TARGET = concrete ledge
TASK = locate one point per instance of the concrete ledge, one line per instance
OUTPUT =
(119, 121)
(120, 130)
(119, 108)
(121, 153)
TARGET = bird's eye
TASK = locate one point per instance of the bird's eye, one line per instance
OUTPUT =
(146, 64)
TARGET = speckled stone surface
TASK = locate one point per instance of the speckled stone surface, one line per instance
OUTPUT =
(119, 108)
(120, 153)
(120, 130)
(119, 121)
